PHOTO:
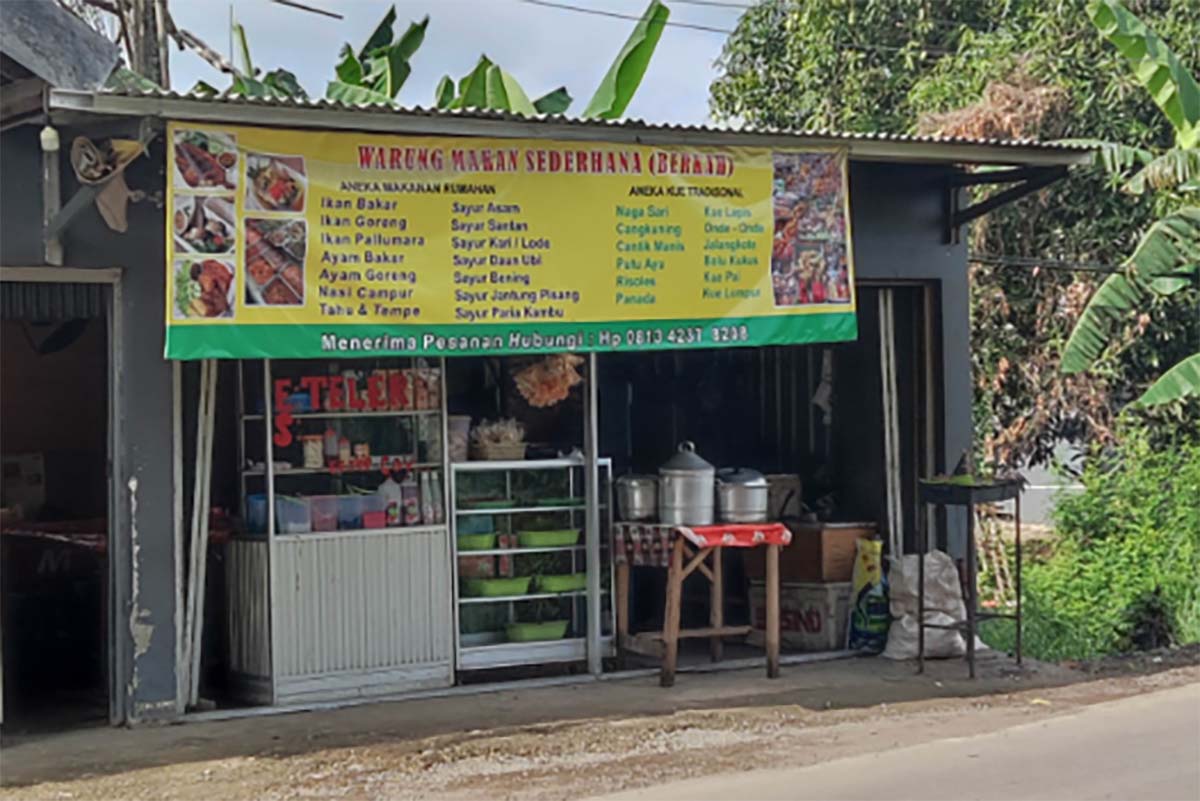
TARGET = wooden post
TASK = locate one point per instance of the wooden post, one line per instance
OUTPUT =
(622, 605)
(671, 613)
(716, 600)
(772, 611)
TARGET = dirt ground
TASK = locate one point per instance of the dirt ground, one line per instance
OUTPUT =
(566, 741)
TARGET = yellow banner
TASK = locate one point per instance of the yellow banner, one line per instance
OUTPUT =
(295, 243)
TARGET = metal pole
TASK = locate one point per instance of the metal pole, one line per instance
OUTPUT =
(591, 472)
(269, 470)
(1017, 521)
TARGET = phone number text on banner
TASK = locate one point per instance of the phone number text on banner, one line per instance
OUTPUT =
(296, 244)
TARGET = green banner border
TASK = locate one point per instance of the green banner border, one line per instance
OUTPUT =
(291, 341)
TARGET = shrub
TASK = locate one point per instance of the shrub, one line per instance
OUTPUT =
(1125, 571)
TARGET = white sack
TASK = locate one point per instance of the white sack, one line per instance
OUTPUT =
(943, 593)
(939, 643)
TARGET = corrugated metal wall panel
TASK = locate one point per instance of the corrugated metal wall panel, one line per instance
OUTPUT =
(356, 603)
(249, 635)
(50, 301)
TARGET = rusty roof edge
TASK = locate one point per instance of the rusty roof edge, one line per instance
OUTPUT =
(326, 114)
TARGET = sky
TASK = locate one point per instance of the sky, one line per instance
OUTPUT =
(542, 47)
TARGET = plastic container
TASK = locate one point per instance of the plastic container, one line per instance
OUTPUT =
(292, 515)
(349, 512)
(476, 542)
(495, 587)
(324, 512)
(548, 539)
(392, 499)
(256, 513)
(372, 510)
(459, 437)
(535, 632)
(565, 582)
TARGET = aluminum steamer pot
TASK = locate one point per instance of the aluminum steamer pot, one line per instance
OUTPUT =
(637, 497)
(685, 489)
(741, 495)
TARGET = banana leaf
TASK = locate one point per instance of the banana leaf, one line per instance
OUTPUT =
(387, 66)
(1156, 67)
(555, 102)
(349, 69)
(243, 49)
(1116, 159)
(1170, 248)
(444, 94)
(1181, 381)
(380, 37)
(625, 75)
(1169, 170)
(354, 95)
(505, 94)
(472, 87)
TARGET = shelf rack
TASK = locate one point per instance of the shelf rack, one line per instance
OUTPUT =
(502, 653)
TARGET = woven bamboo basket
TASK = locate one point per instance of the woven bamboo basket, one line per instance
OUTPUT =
(497, 451)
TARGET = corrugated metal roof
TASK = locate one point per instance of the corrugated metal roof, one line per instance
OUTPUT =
(179, 105)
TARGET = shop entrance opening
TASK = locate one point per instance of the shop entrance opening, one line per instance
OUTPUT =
(53, 531)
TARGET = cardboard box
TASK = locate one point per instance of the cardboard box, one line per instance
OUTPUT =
(812, 616)
(818, 552)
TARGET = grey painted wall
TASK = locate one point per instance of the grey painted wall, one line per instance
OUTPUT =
(898, 218)
(142, 546)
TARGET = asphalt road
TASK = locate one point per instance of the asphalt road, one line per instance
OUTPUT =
(1144, 747)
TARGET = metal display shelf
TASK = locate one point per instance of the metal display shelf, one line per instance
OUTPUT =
(574, 604)
(348, 415)
(318, 471)
(519, 510)
(529, 596)
(512, 654)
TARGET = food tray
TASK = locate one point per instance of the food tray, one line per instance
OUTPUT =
(565, 582)
(547, 539)
(476, 542)
(275, 258)
(495, 587)
(535, 632)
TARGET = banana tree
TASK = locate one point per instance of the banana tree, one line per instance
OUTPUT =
(1168, 256)
(278, 83)
(378, 70)
(488, 86)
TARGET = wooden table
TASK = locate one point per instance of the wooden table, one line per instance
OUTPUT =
(656, 545)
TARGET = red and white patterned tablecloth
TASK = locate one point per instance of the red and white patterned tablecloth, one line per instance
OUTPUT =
(650, 543)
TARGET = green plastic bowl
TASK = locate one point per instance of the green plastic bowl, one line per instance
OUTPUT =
(566, 582)
(535, 632)
(476, 542)
(495, 587)
(548, 539)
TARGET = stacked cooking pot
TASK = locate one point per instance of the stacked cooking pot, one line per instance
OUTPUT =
(688, 489)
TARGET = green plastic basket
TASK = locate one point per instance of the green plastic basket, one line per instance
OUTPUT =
(535, 632)
(495, 587)
(566, 582)
(548, 539)
(476, 542)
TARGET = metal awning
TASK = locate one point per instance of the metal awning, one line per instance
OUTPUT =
(330, 115)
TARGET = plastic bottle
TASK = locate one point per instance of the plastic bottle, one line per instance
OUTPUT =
(412, 500)
(393, 502)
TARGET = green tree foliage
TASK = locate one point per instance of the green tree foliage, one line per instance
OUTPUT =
(1126, 547)
(1034, 68)
(1167, 259)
